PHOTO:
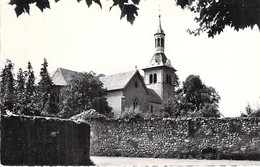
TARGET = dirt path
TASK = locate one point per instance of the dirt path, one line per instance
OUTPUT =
(122, 161)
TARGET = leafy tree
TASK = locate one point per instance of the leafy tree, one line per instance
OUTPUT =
(7, 97)
(250, 112)
(193, 99)
(128, 8)
(213, 15)
(84, 92)
(44, 91)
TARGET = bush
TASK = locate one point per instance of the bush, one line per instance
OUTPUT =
(134, 113)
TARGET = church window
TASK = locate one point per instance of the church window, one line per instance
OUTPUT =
(168, 79)
(135, 103)
(158, 42)
(136, 84)
(151, 109)
(154, 78)
(151, 78)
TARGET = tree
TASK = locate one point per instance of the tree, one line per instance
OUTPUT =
(30, 81)
(7, 99)
(20, 80)
(214, 15)
(250, 112)
(84, 92)
(20, 99)
(31, 107)
(128, 8)
(44, 91)
(193, 99)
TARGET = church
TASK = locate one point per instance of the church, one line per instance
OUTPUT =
(130, 90)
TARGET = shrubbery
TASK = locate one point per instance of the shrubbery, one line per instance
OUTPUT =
(250, 112)
(133, 113)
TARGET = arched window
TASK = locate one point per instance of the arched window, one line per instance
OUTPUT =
(151, 109)
(158, 42)
(167, 78)
(136, 84)
(151, 78)
(170, 79)
(154, 78)
(135, 103)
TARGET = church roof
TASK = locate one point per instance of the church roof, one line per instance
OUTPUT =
(160, 60)
(117, 81)
(62, 77)
(153, 96)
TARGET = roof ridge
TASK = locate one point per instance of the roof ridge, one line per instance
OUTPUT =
(67, 69)
(119, 73)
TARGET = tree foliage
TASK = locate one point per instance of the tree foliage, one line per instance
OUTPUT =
(30, 80)
(45, 84)
(7, 98)
(193, 99)
(20, 100)
(213, 15)
(128, 8)
(250, 112)
(30, 92)
(84, 92)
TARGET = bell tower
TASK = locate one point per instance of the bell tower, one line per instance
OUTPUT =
(159, 38)
(159, 74)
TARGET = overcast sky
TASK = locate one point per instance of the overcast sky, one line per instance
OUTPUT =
(73, 36)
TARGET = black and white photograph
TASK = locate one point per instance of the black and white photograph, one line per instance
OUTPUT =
(130, 82)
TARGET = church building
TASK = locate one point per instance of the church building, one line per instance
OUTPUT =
(130, 90)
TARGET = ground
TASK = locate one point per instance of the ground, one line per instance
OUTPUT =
(122, 161)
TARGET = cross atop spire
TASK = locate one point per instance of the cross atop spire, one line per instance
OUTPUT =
(159, 10)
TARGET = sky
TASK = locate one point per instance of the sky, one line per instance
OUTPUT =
(72, 36)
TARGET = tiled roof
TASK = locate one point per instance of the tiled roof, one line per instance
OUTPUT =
(62, 76)
(154, 97)
(117, 81)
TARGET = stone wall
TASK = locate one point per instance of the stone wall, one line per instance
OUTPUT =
(236, 138)
(44, 141)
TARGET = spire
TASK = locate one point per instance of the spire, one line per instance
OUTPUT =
(159, 38)
(159, 58)
(160, 30)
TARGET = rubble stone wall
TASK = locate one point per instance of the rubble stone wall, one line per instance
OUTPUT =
(44, 141)
(227, 138)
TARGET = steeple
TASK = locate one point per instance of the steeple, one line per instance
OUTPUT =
(159, 58)
(160, 30)
(159, 75)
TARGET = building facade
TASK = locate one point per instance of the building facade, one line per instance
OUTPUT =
(129, 90)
